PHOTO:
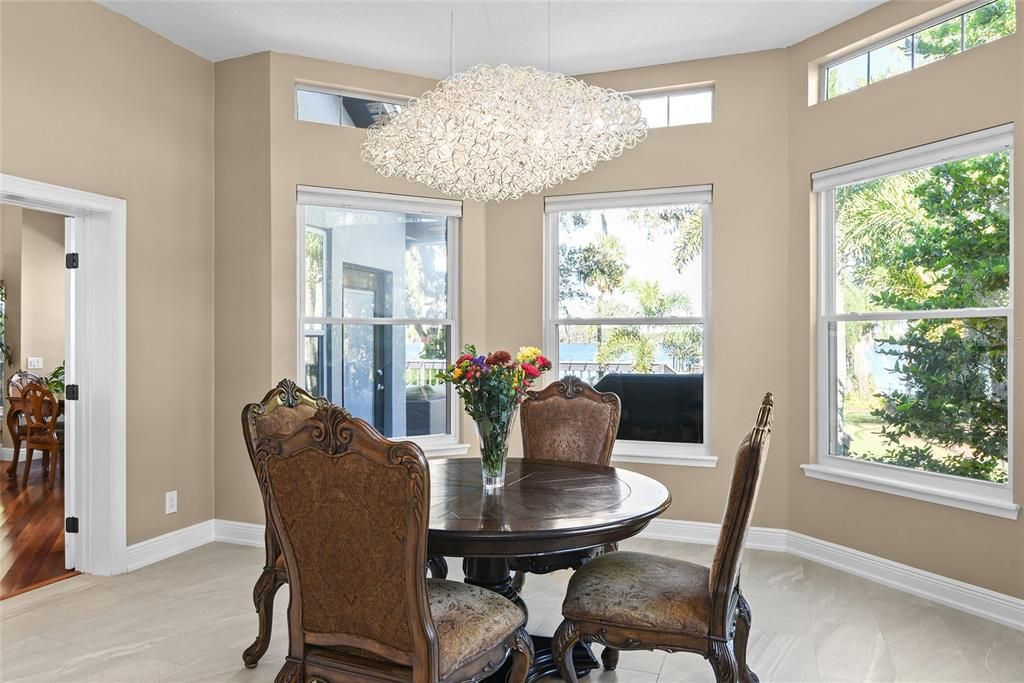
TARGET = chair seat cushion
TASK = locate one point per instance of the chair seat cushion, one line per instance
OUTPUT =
(469, 621)
(636, 590)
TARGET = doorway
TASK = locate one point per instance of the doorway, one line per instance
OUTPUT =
(34, 340)
(94, 517)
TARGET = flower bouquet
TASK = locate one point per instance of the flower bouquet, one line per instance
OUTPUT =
(492, 386)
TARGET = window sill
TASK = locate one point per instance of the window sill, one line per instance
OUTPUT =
(653, 453)
(447, 449)
(997, 502)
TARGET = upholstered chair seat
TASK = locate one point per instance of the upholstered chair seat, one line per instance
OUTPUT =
(469, 620)
(636, 590)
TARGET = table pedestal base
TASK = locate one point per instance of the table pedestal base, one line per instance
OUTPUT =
(493, 574)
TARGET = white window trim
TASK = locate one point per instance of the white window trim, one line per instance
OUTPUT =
(891, 38)
(943, 489)
(340, 92)
(433, 445)
(646, 452)
(668, 92)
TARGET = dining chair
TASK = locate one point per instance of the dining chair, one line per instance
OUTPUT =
(282, 409)
(637, 601)
(350, 510)
(42, 412)
(15, 414)
(567, 421)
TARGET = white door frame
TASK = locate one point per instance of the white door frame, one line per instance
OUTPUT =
(97, 363)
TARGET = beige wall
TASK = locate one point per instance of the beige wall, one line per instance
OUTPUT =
(42, 290)
(95, 102)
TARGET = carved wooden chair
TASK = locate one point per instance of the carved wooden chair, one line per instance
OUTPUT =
(569, 421)
(350, 510)
(280, 412)
(16, 414)
(635, 601)
(42, 412)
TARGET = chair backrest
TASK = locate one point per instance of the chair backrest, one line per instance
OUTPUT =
(350, 509)
(21, 379)
(280, 412)
(746, 479)
(42, 409)
(569, 420)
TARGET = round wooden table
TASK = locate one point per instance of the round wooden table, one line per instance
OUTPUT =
(544, 508)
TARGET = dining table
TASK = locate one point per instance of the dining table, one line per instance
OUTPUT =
(545, 508)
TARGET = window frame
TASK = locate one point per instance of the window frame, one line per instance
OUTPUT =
(342, 93)
(626, 451)
(944, 489)
(960, 11)
(668, 93)
(433, 445)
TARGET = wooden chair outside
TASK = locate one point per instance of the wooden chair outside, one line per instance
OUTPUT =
(42, 432)
(350, 510)
(635, 601)
(15, 414)
(282, 409)
(567, 421)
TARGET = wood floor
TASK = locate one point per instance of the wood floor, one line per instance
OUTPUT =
(31, 531)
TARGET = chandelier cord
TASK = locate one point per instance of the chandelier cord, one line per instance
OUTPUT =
(549, 35)
(451, 38)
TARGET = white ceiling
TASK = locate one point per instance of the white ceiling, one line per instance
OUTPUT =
(414, 36)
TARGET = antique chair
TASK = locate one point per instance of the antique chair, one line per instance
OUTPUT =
(635, 601)
(42, 411)
(350, 510)
(15, 414)
(280, 412)
(567, 420)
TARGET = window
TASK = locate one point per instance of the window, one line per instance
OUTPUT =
(321, 105)
(926, 44)
(677, 108)
(915, 320)
(378, 308)
(627, 311)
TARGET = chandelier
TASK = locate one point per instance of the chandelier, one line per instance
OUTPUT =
(493, 133)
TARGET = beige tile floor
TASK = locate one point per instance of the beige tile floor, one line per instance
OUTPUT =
(190, 617)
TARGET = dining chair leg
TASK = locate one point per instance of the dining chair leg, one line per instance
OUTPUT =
(522, 657)
(610, 658)
(28, 465)
(54, 463)
(263, 598)
(723, 662)
(12, 471)
(740, 641)
(566, 636)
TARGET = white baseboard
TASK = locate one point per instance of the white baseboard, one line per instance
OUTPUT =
(239, 533)
(170, 544)
(6, 454)
(981, 602)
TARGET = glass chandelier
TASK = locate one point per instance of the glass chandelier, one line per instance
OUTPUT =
(493, 133)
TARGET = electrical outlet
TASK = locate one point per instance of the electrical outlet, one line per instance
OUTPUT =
(170, 502)
(35, 363)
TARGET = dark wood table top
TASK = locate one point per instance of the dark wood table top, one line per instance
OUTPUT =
(544, 507)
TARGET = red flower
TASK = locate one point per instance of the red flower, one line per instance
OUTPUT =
(530, 370)
(462, 358)
(499, 358)
(543, 363)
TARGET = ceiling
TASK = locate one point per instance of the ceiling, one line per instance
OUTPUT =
(415, 37)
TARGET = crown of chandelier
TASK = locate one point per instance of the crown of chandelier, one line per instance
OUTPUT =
(494, 133)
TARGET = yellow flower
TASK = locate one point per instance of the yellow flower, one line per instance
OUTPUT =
(457, 374)
(528, 354)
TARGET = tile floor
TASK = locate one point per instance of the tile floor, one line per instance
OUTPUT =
(190, 617)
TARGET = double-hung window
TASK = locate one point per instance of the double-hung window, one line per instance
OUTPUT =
(626, 310)
(915, 331)
(378, 288)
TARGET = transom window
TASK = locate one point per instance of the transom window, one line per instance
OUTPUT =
(678, 107)
(627, 311)
(915, 311)
(339, 108)
(378, 311)
(928, 43)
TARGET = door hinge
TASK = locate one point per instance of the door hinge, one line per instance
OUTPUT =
(71, 260)
(71, 525)
(71, 392)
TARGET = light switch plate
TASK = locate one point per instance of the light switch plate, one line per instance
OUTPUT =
(170, 502)
(35, 363)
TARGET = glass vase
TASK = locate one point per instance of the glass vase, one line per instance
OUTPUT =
(493, 432)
